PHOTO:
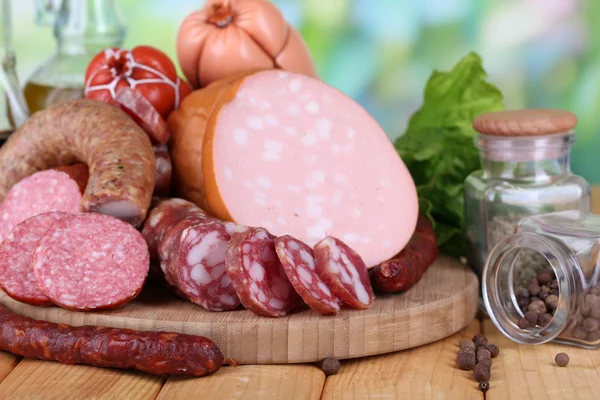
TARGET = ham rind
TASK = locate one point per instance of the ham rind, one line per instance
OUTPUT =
(91, 262)
(344, 272)
(299, 264)
(293, 155)
(257, 275)
(16, 258)
(42, 192)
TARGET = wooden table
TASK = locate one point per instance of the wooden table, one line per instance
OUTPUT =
(427, 372)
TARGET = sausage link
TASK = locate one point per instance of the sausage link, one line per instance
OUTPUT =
(116, 150)
(407, 268)
(152, 352)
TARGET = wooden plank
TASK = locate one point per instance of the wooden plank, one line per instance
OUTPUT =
(7, 363)
(50, 380)
(529, 372)
(263, 382)
(427, 372)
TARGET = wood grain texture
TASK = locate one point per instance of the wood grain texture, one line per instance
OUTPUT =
(427, 372)
(441, 304)
(529, 372)
(33, 379)
(265, 382)
(7, 363)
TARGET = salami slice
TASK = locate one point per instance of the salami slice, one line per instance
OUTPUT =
(299, 264)
(91, 262)
(144, 114)
(42, 192)
(197, 265)
(163, 171)
(257, 275)
(16, 258)
(344, 272)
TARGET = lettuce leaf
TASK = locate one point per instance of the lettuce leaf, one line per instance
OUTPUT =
(438, 147)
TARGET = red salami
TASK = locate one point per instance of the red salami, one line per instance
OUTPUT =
(257, 275)
(197, 265)
(42, 192)
(16, 258)
(143, 112)
(344, 272)
(299, 264)
(163, 171)
(91, 261)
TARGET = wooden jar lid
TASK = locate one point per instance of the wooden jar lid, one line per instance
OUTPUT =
(528, 122)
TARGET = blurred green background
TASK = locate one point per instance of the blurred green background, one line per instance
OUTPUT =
(540, 53)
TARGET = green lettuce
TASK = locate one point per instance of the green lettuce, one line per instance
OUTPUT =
(438, 147)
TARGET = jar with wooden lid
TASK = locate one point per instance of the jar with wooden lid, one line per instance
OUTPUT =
(542, 283)
(524, 171)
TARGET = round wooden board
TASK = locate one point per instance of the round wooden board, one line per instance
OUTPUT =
(444, 302)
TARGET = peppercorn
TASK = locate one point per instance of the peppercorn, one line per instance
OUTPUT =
(330, 366)
(534, 289)
(586, 309)
(591, 324)
(484, 386)
(466, 359)
(580, 333)
(479, 339)
(532, 317)
(483, 354)
(522, 323)
(466, 343)
(552, 302)
(482, 372)
(561, 359)
(523, 302)
(595, 313)
(537, 306)
(544, 319)
(545, 277)
(493, 349)
(522, 293)
(593, 336)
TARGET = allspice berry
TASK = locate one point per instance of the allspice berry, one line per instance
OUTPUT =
(466, 343)
(591, 324)
(532, 317)
(483, 354)
(580, 333)
(534, 289)
(330, 366)
(482, 372)
(484, 386)
(537, 306)
(552, 302)
(593, 336)
(522, 323)
(466, 359)
(545, 277)
(493, 349)
(479, 339)
(544, 319)
(561, 359)
(595, 313)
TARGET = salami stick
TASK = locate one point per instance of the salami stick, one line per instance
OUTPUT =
(407, 268)
(152, 352)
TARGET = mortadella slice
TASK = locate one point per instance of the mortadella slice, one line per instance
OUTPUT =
(291, 154)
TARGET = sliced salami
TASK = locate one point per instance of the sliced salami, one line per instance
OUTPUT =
(257, 275)
(91, 262)
(42, 192)
(344, 272)
(197, 265)
(16, 258)
(299, 264)
(163, 171)
(144, 114)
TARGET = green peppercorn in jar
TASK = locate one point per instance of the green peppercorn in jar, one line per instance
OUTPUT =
(524, 171)
(542, 283)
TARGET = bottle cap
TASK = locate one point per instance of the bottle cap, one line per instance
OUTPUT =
(528, 122)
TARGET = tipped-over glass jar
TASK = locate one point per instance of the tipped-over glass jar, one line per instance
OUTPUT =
(543, 282)
(524, 171)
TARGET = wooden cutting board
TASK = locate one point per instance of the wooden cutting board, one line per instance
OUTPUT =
(444, 302)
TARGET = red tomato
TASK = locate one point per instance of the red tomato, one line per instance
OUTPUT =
(146, 69)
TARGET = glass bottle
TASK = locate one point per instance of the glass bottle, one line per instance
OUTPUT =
(519, 176)
(82, 28)
(564, 246)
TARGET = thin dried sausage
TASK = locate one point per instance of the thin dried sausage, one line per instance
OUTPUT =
(116, 150)
(153, 352)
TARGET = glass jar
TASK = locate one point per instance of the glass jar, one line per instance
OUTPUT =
(520, 175)
(564, 248)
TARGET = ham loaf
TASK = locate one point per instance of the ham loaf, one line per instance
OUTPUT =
(291, 154)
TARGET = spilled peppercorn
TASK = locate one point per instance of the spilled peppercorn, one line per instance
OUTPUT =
(330, 366)
(476, 355)
(484, 386)
(561, 359)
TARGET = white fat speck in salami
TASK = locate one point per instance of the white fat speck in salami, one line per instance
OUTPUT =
(42, 192)
(196, 266)
(63, 258)
(257, 274)
(344, 272)
(298, 262)
(336, 139)
(16, 258)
